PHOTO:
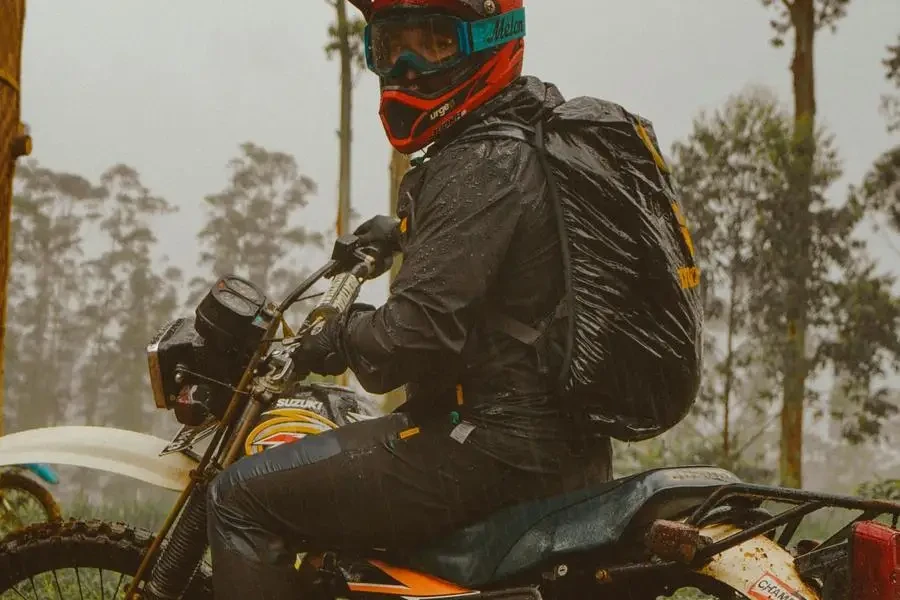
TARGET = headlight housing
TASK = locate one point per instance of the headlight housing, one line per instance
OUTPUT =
(172, 345)
(212, 348)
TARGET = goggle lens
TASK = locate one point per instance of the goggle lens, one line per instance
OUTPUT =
(433, 42)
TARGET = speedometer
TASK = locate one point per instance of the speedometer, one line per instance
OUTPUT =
(232, 315)
(237, 304)
(246, 290)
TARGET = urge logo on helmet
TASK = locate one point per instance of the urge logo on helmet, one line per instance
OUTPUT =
(438, 60)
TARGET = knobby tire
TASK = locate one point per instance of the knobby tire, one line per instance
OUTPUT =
(113, 547)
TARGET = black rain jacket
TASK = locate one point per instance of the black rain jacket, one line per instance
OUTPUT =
(480, 238)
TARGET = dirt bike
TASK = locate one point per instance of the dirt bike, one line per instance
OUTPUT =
(23, 500)
(647, 535)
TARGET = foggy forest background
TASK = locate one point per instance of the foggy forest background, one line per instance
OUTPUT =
(803, 341)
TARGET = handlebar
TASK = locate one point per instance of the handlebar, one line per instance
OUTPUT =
(350, 266)
(352, 262)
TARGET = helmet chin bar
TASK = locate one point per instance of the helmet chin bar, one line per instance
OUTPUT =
(413, 119)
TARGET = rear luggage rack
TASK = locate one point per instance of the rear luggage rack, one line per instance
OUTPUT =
(804, 504)
(811, 560)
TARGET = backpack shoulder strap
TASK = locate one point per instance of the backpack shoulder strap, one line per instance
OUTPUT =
(534, 136)
(497, 320)
(523, 332)
(496, 130)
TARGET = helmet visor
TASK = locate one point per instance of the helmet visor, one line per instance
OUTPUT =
(431, 42)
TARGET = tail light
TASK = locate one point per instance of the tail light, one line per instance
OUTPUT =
(875, 567)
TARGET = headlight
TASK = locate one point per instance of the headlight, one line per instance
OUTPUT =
(173, 344)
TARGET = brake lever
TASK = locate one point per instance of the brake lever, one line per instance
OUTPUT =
(282, 370)
(295, 339)
(348, 251)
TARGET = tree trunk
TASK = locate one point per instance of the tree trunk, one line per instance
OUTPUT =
(346, 133)
(13, 143)
(798, 274)
(399, 167)
(729, 362)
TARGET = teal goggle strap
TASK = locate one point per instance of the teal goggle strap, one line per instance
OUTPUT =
(473, 37)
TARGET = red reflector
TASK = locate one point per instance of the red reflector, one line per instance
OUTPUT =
(875, 573)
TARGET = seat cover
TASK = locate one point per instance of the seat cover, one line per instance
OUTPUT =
(523, 536)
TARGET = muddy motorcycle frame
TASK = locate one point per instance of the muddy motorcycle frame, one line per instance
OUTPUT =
(720, 533)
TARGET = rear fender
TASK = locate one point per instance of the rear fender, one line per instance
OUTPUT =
(119, 451)
(759, 568)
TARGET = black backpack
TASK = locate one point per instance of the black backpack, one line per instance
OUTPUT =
(631, 352)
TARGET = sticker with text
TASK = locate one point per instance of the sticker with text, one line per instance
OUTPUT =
(769, 587)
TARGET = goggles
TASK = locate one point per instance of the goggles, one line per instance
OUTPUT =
(433, 42)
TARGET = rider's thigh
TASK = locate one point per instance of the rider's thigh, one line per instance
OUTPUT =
(371, 484)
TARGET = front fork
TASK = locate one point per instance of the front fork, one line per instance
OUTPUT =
(175, 568)
(185, 526)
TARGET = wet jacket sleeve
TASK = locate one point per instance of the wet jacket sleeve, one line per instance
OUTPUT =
(462, 222)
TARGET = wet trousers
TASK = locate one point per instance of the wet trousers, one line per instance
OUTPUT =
(359, 487)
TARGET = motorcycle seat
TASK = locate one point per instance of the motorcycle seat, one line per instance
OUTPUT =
(524, 536)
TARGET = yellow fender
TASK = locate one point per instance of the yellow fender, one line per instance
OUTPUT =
(759, 568)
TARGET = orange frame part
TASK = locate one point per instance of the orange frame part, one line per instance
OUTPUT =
(410, 584)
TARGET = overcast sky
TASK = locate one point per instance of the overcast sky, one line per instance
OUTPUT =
(173, 88)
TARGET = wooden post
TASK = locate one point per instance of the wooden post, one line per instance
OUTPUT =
(399, 167)
(346, 133)
(14, 142)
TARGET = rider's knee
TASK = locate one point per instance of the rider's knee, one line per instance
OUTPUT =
(220, 500)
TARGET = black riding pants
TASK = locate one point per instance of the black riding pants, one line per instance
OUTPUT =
(359, 487)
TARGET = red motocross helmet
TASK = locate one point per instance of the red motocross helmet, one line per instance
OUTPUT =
(438, 60)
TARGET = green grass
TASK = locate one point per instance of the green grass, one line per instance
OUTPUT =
(147, 514)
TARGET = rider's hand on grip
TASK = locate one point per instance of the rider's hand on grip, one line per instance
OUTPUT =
(382, 234)
(321, 351)
(381, 230)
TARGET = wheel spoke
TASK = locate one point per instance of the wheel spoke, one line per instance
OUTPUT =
(78, 578)
(118, 585)
(58, 588)
(16, 590)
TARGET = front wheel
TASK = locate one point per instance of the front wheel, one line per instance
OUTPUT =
(78, 559)
(23, 501)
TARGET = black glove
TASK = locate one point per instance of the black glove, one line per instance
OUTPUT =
(322, 350)
(383, 232)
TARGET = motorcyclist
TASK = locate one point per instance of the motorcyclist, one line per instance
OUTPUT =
(481, 428)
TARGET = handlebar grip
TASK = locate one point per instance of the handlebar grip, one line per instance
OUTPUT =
(341, 294)
(370, 258)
